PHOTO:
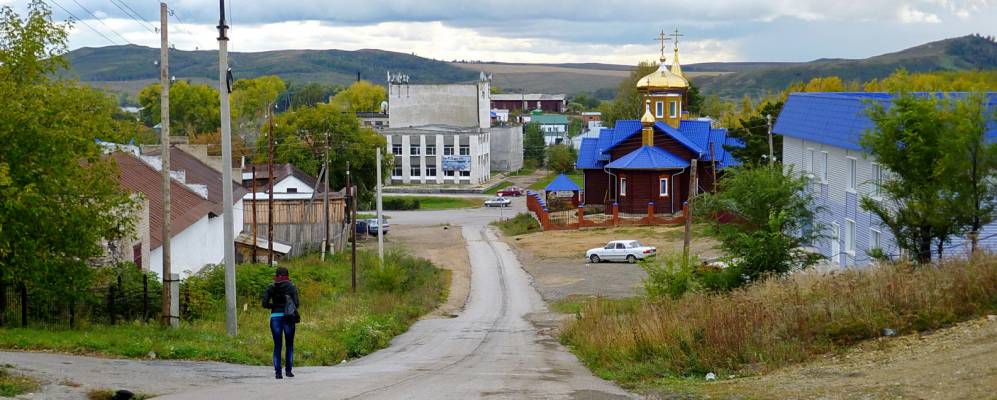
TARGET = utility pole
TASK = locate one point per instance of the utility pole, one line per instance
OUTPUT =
(768, 119)
(169, 318)
(693, 186)
(380, 221)
(231, 325)
(353, 228)
(254, 215)
(325, 199)
(270, 190)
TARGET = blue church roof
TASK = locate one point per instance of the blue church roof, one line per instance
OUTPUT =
(562, 184)
(648, 157)
(696, 135)
(839, 119)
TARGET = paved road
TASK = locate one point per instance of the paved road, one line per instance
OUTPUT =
(491, 350)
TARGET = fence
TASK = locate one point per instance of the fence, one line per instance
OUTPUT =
(576, 219)
(299, 223)
(133, 299)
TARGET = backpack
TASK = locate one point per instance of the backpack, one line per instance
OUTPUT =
(291, 309)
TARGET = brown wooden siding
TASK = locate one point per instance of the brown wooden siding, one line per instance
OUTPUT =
(596, 187)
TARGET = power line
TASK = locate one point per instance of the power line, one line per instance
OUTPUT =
(84, 23)
(175, 16)
(101, 21)
(135, 16)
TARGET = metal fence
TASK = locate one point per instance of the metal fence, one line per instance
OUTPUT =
(111, 303)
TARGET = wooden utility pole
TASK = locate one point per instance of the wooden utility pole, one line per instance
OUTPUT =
(325, 199)
(380, 229)
(353, 228)
(270, 190)
(693, 188)
(169, 318)
(254, 215)
(768, 118)
(228, 218)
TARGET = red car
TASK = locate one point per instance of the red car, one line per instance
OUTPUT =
(510, 191)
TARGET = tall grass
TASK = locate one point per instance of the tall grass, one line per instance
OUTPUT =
(776, 322)
(521, 224)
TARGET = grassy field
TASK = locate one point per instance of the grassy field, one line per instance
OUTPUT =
(431, 203)
(575, 176)
(14, 384)
(667, 342)
(336, 324)
(521, 224)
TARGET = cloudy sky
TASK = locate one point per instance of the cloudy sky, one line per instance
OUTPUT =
(609, 31)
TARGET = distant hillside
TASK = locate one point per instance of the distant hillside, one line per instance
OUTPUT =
(962, 53)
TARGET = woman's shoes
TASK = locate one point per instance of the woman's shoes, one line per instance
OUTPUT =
(279, 376)
(289, 374)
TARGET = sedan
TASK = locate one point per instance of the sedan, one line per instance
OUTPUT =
(620, 250)
(510, 191)
(498, 202)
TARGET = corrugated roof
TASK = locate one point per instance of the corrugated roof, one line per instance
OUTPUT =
(587, 154)
(679, 136)
(562, 184)
(281, 171)
(839, 119)
(200, 173)
(187, 207)
(549, 119)
(696, 135)
(648, 157)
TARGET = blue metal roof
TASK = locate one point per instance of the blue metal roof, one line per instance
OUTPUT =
(699, 132)
(679, 136)
(696, 135)
(839, 119)
(648, 157)
(588, 154)
(562, 184)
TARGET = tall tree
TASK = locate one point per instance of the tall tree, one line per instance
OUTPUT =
(561, 158)
(533, 144)
(753, 133)
(57, 201)
(251, 99)
(628, 103)
(361, 96)
(194, 108)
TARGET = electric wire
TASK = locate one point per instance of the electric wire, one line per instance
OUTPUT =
(101, 21)
(135, 16)
(84, 23)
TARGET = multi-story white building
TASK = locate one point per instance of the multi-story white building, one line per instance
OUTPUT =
(439, 154)
(821, 133)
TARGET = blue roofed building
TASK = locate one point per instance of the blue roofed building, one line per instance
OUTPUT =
(645, 162)
(821, 133)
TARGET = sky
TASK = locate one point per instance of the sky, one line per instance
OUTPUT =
(551, 31)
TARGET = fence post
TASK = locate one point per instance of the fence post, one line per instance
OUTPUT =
(616, 213)
(145, 298)
(110, 303)
(24, 305)
(72, 313)
(3, 303)
(581, 216)
(650, 212)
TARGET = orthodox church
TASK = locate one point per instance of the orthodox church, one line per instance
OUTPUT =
(646, 162)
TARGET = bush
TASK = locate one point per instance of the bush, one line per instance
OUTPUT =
(668, 276)
(400, 203)
(521, 224)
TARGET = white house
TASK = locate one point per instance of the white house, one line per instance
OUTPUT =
(821, 133)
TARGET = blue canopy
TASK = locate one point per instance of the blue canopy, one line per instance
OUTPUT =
(562, 184)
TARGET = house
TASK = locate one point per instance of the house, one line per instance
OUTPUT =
(287, 178)
(637, 164)
(591, 120)
(821, 133)
(551, 103)
(553, 126)
(440, 154)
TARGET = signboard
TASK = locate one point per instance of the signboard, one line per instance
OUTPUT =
(564, 194)
(456, 163)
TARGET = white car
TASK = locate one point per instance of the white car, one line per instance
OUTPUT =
(498, 202)
(620, 250)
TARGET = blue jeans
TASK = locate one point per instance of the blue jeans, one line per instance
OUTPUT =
(282, 329)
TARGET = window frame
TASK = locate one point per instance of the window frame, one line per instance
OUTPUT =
(827, 164)
(877, 180)
(397, 149)
(415, 170)
(878, 236)
(464, 149)
(659, 109)
(623, 186)
(431, 171)
(448, 149)
(414, 150)
(430, 149)
(812, 161)
(663, 193)
(397, 168)
(853, 174)
(673, 109)
(850, 234)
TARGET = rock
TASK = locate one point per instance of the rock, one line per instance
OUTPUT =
(711, 376)
(152, 355)
(888, 332)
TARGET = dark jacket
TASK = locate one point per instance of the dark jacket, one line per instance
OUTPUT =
(274, 297)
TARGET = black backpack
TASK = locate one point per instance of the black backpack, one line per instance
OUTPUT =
(291, 309)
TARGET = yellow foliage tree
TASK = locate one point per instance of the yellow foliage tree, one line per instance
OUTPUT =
(360, 96)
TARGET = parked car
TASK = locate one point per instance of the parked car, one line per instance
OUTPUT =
(369, 226)
(515, 191)
(620, 250)
(498, 202)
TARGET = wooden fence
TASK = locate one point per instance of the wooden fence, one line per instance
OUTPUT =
(299, 223)
(575, 219)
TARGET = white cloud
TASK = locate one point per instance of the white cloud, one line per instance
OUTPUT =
(911, 15)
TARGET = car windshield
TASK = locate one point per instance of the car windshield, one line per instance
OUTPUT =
(496, 199)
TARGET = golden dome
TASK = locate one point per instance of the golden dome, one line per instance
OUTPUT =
(648, 118)
(662, 79)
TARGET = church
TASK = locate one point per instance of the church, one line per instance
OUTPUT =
(645, 163)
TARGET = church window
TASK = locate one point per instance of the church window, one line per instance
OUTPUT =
(673, 109)
(663, 187)
(623, 186)
(659, 109)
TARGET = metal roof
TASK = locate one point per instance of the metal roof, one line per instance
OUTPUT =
(562, 184)
(549, 119)
(648, 157)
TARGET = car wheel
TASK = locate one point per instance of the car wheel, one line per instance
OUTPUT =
(595, 259)
(632, 259)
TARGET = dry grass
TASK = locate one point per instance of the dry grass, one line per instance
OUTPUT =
(778, 322)
(668, 239)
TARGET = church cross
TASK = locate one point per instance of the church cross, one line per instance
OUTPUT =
(663, 38)
(676, 37)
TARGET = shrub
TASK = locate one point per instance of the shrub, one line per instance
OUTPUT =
(668, 276)
(400, 203)
(521, 224)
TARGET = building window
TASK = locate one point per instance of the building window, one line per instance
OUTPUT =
(811, 162)
(673, 109)
(448, 150)
(823, 171)
(292, 190)
(448, 173)
(465, 150)
(877, 180)
(874, 239)
(850, 237)
(623, 186)
(397, 171)
(663, 187)
(852, 173)
(659, 109)
(414, 150)
(414, 171)
(430, 149)
(430, 171)
(396, 149)
(465, 173)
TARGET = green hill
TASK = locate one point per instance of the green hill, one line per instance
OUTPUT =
(956, 54)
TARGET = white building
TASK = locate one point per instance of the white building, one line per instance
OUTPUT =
(439, 154)
(821, 133)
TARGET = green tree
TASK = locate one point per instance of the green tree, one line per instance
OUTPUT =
(628, 103)
(533, 144)
(561, 158)
(575, 127)
(969, 165)
(772, 220)
(194, 108)
(360, 96)
(57, 200)
(311, 93)
(300, 137)
(753, 133)
(587, 101)
(251, 99)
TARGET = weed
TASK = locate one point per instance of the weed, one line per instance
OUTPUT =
(521, 224)
(12, 384)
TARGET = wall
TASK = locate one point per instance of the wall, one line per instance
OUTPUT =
(463, 105)
(198, 245)
(292, 182)
(479, 146)
(506, 148)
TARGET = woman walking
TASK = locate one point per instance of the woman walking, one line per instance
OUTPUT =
(281, 297)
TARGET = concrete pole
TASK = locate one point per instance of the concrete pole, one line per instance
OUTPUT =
(231, 325)
(380, 221)
(693, 186)
(325, 199)
(170, 317)
(270, 189)
(254, 215)
(768, 118)
(353, 229)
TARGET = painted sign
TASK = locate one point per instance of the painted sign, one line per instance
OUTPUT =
(456, 163)
(564, 194)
